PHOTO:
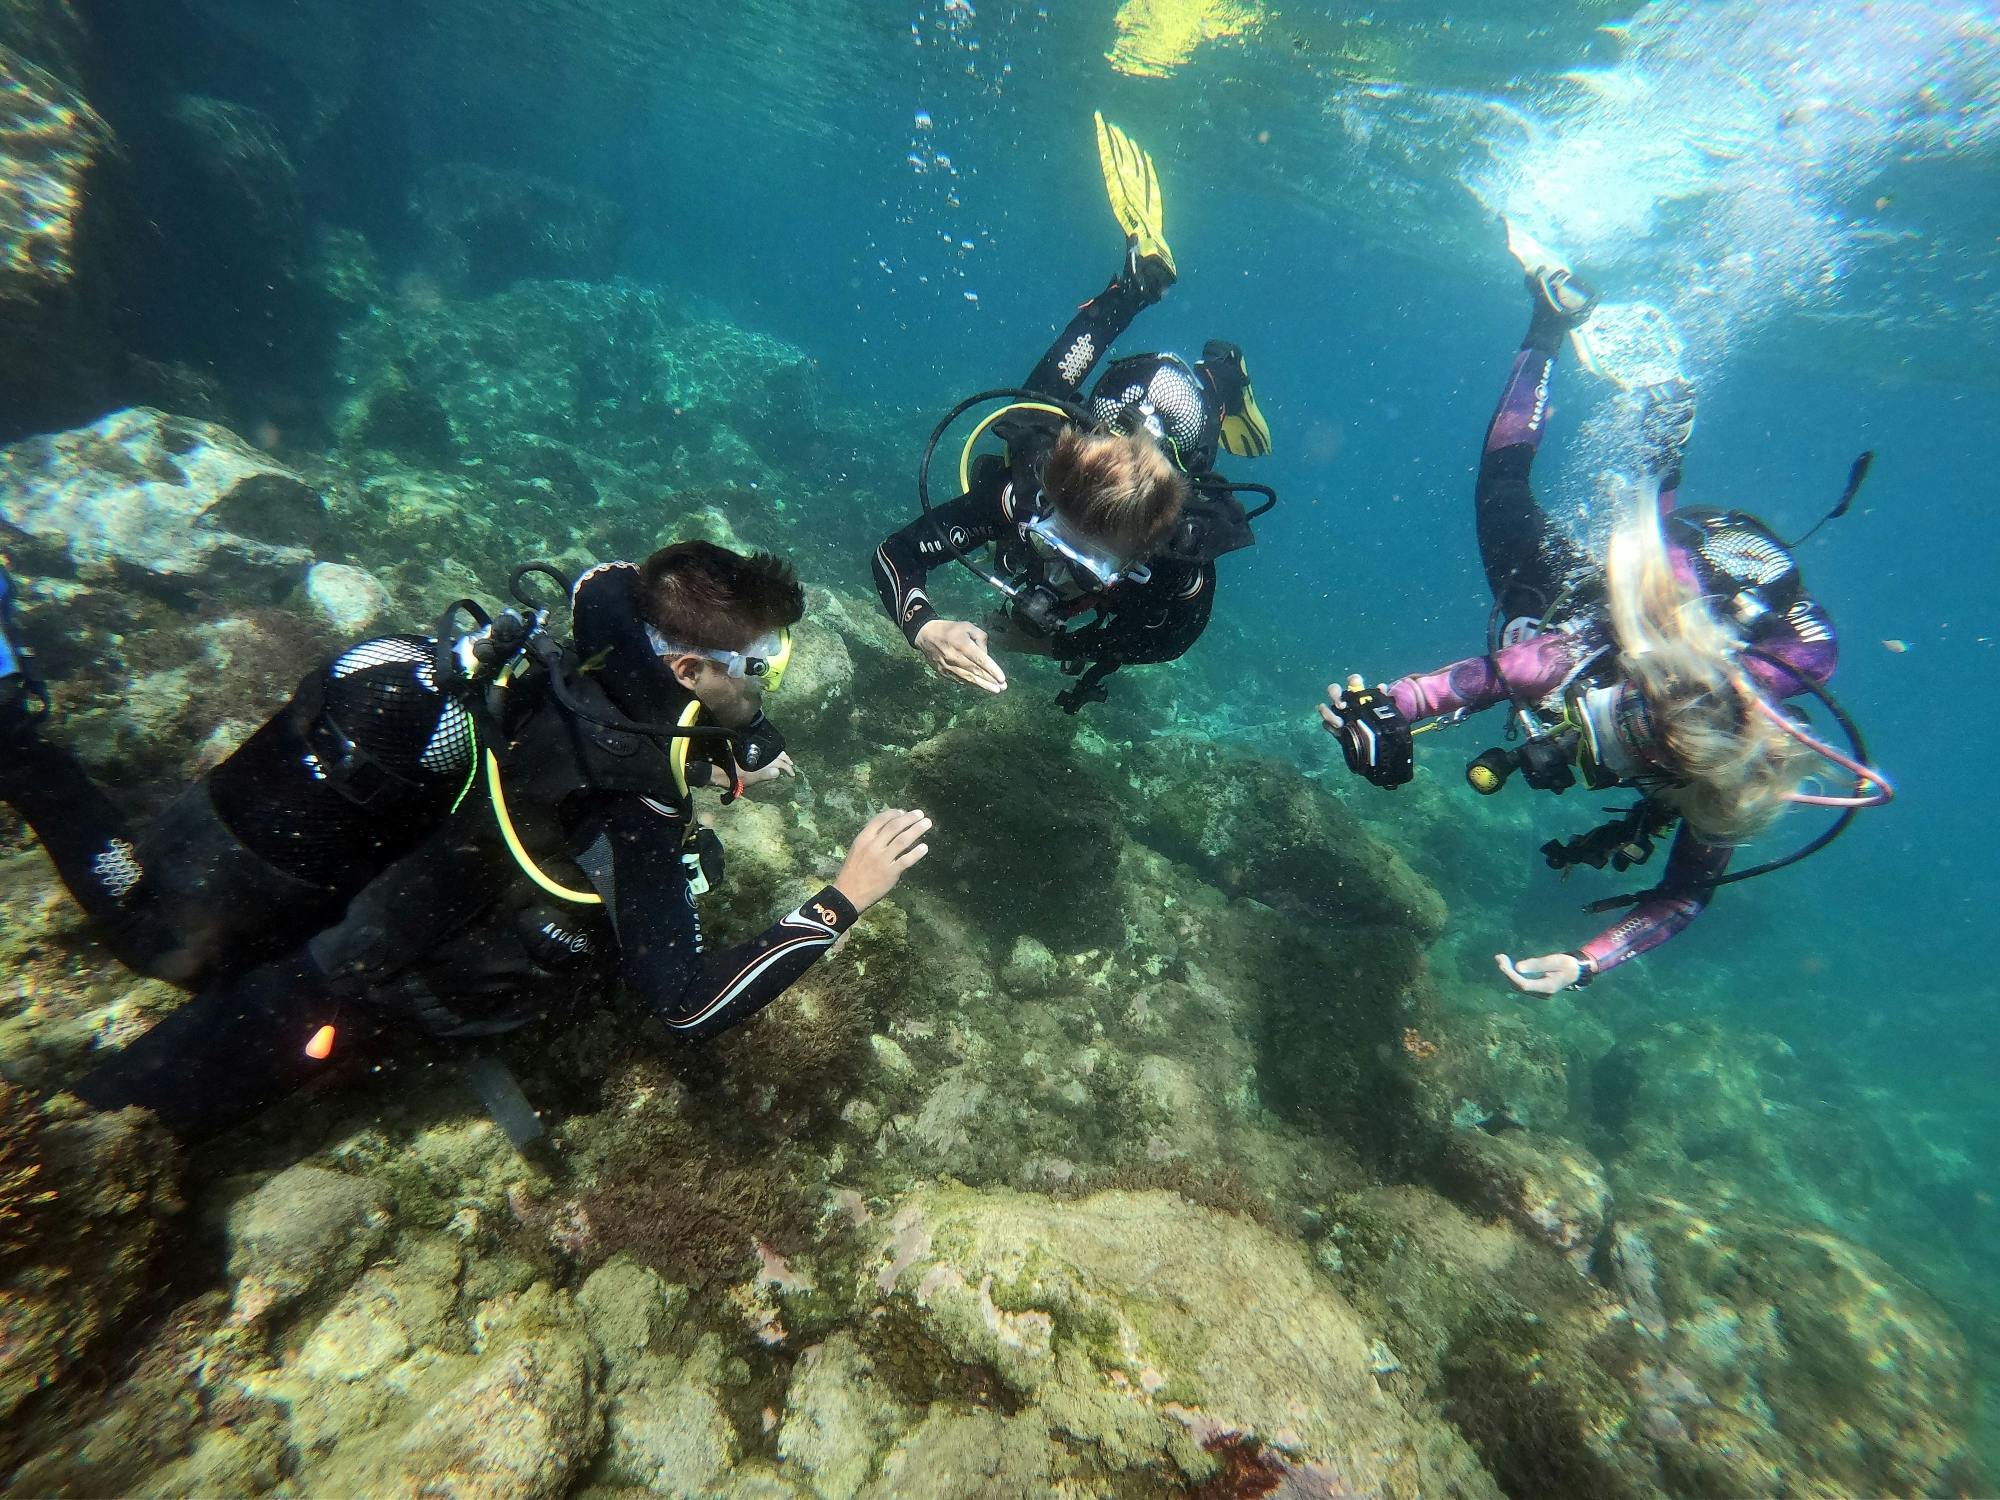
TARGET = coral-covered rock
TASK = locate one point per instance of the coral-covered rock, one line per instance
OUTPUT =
(349, 599)
(485, 229)
(969, 1455)
(630, 1310)
(667, 1432)
(519, 1429)
(1021, 814)
(1255, 827)
(838, 1418)
(83, 1201)
(1792, 1359)
(164, 503)
(1164, 1362)
(303, 1232)
(1551, 1188)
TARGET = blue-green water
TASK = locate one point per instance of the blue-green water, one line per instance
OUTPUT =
(890, 207)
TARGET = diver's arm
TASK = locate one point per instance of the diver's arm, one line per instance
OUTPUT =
(1680, 897)
(902, 564)
(1141, 281)
(1523, 555)
(1533, 668)
(1160, 623)
(661, 957)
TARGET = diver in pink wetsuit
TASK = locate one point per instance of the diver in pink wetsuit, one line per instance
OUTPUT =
(1555, 656)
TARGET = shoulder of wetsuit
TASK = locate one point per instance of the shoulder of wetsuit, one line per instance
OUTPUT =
(1213, 524)
(1029, 447)
(560, 748)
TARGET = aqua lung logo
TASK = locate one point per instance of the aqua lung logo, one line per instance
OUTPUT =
(575, 942)
(959, 537)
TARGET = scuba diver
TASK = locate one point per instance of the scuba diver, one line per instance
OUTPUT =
(1110, 509)
(1663, 670)
(448, 837)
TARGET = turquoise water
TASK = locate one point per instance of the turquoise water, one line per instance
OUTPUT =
(1184, 1207)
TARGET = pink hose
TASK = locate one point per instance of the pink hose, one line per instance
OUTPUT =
(1884, 792)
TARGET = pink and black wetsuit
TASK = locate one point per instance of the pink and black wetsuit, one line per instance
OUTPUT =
(1727, 557)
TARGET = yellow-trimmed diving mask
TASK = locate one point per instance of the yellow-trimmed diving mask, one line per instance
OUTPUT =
(763, 663)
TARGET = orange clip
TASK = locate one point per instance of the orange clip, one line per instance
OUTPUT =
(321, 1045)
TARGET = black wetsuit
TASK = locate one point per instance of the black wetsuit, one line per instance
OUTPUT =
(1151, 621)
(345, 866)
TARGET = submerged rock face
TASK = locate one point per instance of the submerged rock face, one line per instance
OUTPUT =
(1157, 1333)
(1035, 825)
(1255, 827)
(303, 1231)
(49, 140)
(1792, 1360)
(84, 1200)
(167, 503)
(485, 229)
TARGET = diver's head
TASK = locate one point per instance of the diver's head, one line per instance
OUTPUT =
(721, 623)
(1686, 710)
(1110, 500)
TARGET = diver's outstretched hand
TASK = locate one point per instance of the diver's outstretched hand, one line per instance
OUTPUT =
(886, 846)
(782, 766)
(957, 649)
(1541, 976)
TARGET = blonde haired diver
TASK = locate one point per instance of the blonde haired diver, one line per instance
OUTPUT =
(1106, 516)
(1664, 668)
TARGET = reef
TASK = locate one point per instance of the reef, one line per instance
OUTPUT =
(1161, 1135)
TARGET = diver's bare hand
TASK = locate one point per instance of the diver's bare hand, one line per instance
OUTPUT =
(881, 852)
(782, 766)
(1541, 976)
(957, 649)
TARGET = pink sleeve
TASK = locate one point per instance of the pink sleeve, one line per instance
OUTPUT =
(1534, 667)
(1663, 913)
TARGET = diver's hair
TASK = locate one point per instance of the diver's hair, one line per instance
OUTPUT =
(1116, 487)
(699, 594)
(1731, 767)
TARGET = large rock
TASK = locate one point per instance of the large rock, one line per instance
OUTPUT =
(83, 1203)
(1021, 814)
(1551, 1188)
(1255, 827)
(304, 1231)
(1788, 1351)
(837, 1418)
(520, 1428)
(233, 171)
(169, 504)
(484, 228)
(49, 140)
(1170, 1339)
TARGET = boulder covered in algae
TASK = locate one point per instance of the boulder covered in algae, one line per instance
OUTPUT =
(170, 504)
(1151, 1335)
(84, 1202)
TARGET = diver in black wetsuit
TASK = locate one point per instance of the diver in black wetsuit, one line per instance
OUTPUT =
(1120, 516)
(377, 858)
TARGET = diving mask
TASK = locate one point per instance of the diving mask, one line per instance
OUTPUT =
(1052, 537)
(764, 663)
